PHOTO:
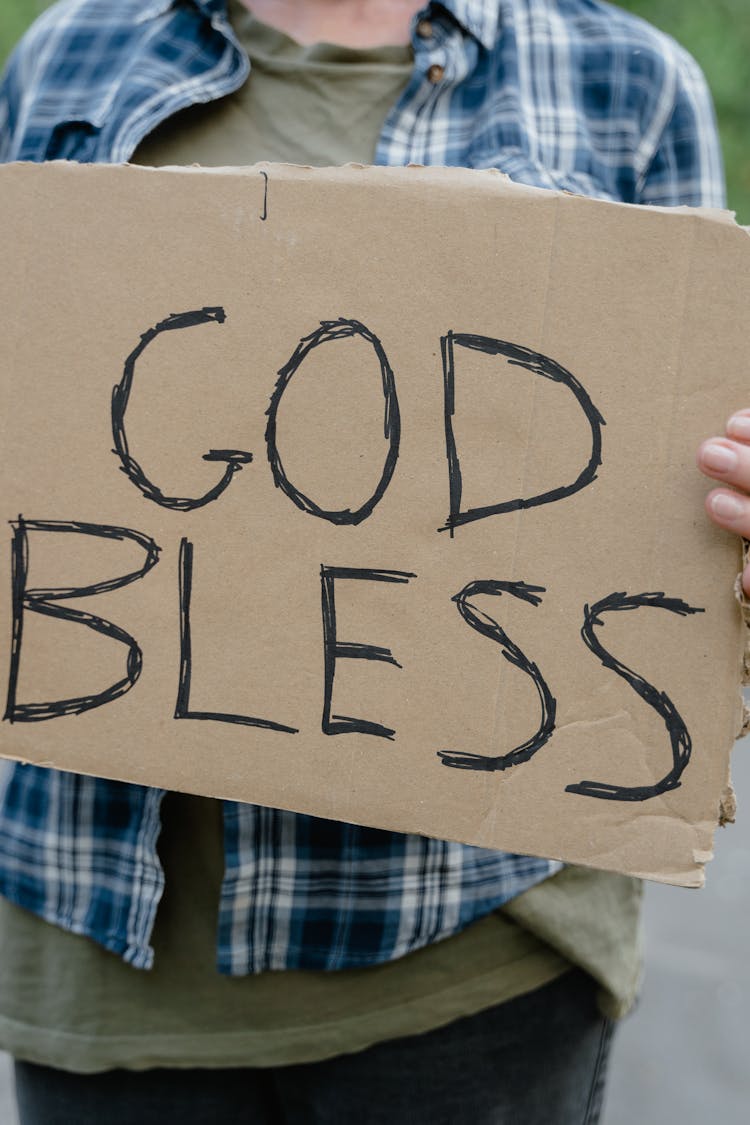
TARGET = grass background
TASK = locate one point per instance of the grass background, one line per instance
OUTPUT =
(716, 32)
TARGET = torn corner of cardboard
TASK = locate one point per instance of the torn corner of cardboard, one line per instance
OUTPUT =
(701, 859)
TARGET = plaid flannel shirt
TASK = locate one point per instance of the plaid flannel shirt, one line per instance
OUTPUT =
(567, 94)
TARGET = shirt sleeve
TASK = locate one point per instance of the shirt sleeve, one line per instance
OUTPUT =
(683, 163)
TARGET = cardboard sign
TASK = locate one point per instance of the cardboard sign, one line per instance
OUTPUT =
(371, 494)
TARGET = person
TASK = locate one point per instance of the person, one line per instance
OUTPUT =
(363, 975)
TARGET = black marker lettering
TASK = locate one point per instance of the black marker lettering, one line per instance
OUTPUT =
(331, 330)
(679, 736)
(182, 708)
(43, 601)
(334, 649)
(264, 216)
(537, 364)
(488, 627)
(235, 459)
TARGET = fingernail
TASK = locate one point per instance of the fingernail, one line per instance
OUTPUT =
(719, 459)
(726, 507)
(739, 425)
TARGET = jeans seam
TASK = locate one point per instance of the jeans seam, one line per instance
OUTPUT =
(593, 1106)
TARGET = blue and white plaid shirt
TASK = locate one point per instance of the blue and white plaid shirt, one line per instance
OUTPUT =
(570, 94)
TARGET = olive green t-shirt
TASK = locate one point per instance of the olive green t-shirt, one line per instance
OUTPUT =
(66, 1002)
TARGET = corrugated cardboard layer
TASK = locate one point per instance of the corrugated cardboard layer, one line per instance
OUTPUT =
(462, 297)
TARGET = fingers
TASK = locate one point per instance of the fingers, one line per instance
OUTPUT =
(738, 426)
(729, 510)
(727, 459)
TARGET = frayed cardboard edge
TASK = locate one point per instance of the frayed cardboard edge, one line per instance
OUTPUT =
(744, 604)
(728, 800)
(727, 807)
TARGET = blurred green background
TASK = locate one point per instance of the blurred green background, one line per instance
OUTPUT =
(717, 32)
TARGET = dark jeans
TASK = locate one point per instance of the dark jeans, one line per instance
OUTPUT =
(537, 1060)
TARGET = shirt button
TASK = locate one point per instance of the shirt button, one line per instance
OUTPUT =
(424, 29)
(435, 73)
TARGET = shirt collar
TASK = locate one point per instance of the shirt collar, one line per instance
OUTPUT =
(159, 7)
(481, 18)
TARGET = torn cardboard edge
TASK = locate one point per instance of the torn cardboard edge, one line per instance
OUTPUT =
(728, 803)
(438, 174)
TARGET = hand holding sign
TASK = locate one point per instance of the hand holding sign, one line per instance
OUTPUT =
(728, 460)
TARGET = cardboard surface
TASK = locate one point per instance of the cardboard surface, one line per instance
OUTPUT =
(370, 493)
